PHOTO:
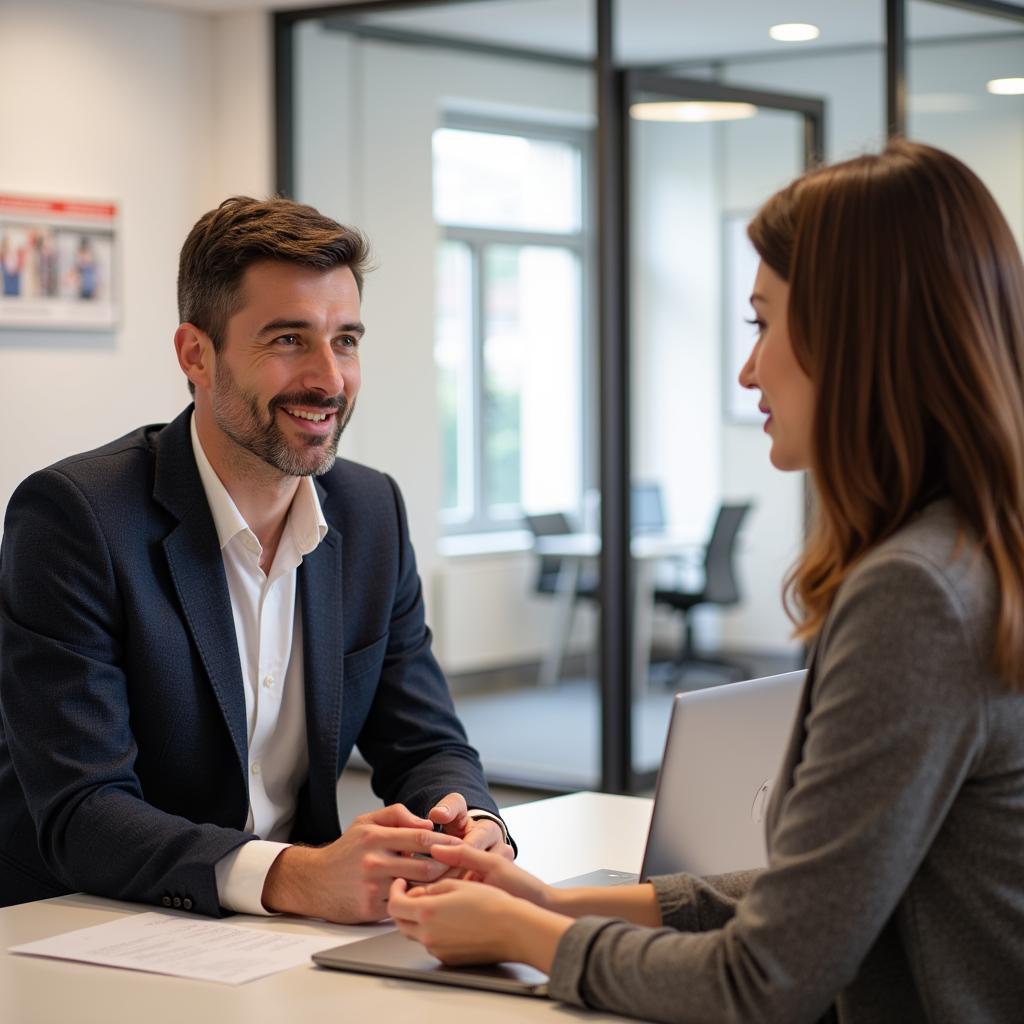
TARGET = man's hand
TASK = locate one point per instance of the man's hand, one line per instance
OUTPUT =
(348, 880)
(480, 833)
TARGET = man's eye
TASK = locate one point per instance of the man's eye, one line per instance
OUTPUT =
(348, 341)
(287, 340)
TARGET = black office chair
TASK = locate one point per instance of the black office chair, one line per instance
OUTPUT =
(720, 588)
(554, 524)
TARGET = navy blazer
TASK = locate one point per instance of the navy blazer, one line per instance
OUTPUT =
(123, 752)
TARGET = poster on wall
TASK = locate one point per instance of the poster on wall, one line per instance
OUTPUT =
(57, 263)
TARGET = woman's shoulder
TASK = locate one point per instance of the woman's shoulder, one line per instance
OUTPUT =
(939, 543)
(933, 562)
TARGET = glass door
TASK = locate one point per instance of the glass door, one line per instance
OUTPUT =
(713, 527)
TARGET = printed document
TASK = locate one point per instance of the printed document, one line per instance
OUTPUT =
(167, 944)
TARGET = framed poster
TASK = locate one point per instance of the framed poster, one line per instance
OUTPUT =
(740, 262)
(57, 261)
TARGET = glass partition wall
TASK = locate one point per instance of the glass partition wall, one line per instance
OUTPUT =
(470, 168)
(555, 322)
(707, 579)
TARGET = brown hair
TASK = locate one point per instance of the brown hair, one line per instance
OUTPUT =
(242, 231)
(906, 309)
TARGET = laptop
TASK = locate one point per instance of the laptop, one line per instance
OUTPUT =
(722, 752)
(395, 956)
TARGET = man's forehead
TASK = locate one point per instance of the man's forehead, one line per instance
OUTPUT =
(278, 288)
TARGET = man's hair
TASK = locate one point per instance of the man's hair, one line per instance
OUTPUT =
(243, 231)
(906, 310)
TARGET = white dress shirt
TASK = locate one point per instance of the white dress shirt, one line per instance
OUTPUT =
(268, 629)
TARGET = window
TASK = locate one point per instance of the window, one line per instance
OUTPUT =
(511, 273)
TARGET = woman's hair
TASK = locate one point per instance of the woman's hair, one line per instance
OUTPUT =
(906, 309)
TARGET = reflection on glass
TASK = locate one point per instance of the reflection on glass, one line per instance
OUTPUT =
(531, 378)
(952, 105)
(453, 355)
(505, 181)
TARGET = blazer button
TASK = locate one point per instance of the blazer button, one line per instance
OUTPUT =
(177, 901)
(166, 901)
(186, 903)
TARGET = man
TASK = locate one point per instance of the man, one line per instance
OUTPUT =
(201, 619)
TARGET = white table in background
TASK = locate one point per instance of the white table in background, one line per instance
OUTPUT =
(576, 550)
(558, 838)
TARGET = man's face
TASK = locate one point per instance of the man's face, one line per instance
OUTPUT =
(286, 378)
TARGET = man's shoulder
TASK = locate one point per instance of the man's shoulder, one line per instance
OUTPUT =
(137, 446)
(108, 475)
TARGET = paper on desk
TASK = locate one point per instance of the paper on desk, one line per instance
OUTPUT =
(165, 944)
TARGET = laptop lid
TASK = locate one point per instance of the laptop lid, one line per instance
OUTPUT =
(722, 753)
(394, 956)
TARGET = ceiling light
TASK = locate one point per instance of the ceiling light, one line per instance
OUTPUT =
(691, 111)
(794, 32)
(1006, 86)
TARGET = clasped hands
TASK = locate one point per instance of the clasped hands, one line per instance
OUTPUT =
(489, 912)
(348, 881)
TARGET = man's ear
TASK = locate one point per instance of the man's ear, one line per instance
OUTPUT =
(195, 354)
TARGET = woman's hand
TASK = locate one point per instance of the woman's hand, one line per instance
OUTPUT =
(463, 922)
(497, 871)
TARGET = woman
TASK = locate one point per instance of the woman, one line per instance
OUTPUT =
(890, 312)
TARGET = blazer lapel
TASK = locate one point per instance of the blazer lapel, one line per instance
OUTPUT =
(794, 748)
(197, 569)
(320, 596)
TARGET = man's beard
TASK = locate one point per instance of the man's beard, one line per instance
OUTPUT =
(238, 415)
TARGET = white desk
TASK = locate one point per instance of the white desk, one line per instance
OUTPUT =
(575, 549)
(558, 838)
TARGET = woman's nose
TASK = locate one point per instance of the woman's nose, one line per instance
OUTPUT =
(748, 373)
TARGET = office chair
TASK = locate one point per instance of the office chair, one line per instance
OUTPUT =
(720, 588)
(556, 524)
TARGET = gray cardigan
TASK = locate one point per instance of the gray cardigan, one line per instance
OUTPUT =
(895, 885)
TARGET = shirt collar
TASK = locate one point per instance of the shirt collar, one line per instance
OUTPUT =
(305, 516)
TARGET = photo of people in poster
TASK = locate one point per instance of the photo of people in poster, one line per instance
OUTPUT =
(57, 263)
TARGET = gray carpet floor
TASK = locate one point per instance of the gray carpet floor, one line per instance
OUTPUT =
(550, 737)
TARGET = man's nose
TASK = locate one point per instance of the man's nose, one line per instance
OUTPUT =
(322, 373)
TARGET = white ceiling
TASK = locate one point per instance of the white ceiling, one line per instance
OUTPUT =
(651, 30)
(655, 30)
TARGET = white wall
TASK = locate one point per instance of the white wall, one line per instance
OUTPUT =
(163, 112)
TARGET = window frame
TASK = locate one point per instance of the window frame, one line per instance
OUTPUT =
(478, 240)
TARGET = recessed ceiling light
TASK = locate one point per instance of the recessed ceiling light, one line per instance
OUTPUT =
(794, 32)
(691, 111)
(1006, 86)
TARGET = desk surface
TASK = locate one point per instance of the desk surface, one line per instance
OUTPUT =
(558, 838)
(588, 545)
